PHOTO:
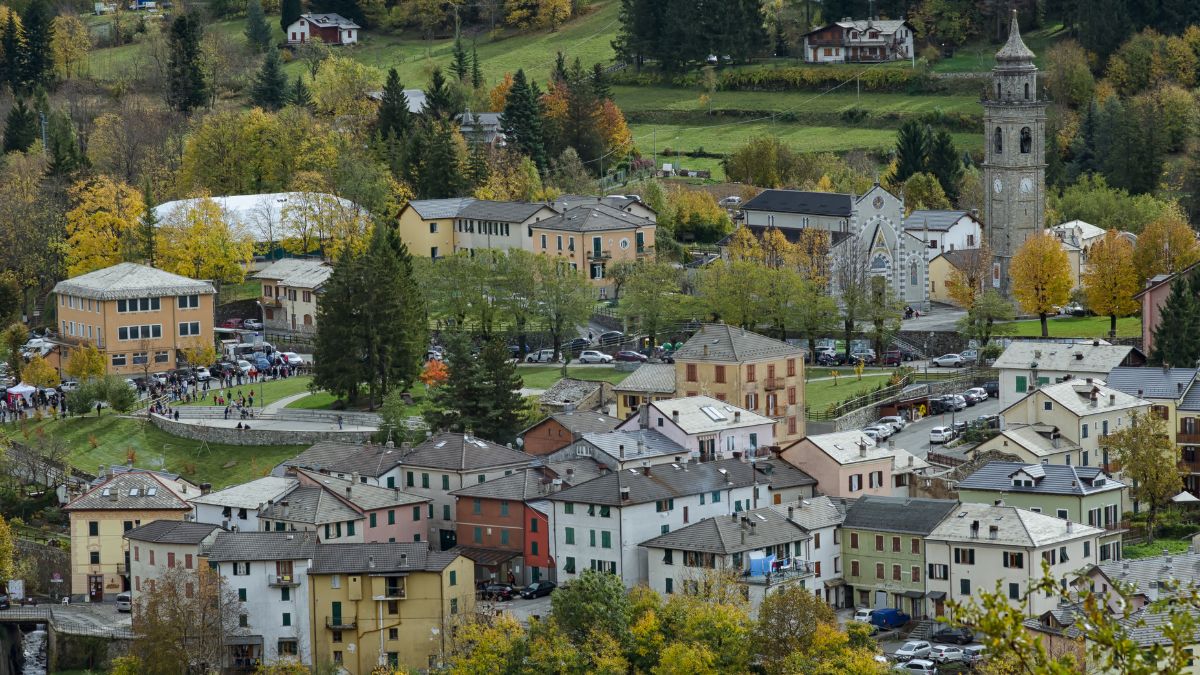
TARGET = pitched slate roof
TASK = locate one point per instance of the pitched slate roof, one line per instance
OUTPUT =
(722, 342)
(430, 209)
(843, 447)
(582, 422)
(309, 504)
(961, 258)
(347, 458)
(1150, 382)
(297, 272)
(723, 535)
(792, 234)
(131, 280)
(329, 20)
(650, 378)
(898, 514)
(459, 452)
(815, 513)
(518, 486)
(935, 220)
(780, 474)
(798, 201)
(1056, 479)
(1013, 527)
(703, 414)
(1096, 358)
(379, 558)
(593, 218)
(242, 546)
(664, 482)
(117, 494)
(504, 212)
(568, 391)
(635, 444)
(172, 532)
(1076, 396)
(249, 495)
(1035, 438)
(1143, 574)
(365, 497)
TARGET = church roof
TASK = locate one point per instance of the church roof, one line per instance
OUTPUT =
(1014, 51)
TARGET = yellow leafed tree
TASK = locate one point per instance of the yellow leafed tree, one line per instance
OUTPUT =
(1167, 245)
(85, 362)
(69, 45)
(197, 242)
(102, 225)
(1041, 276)
(551, 13)
(200, 355)
(8, 551)
(498, 96)
(972, 269)
(1110, 280)
(316, 220)
(39, 373)
(341, 87)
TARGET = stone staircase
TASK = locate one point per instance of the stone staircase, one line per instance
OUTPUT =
(923, 628)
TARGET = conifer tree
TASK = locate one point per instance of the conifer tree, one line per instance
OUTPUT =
(944, 162)
(522, 120)
(476, 72)
(393, 117)
(36, 60)
(258, 31)
(912, 150)
(440, 174)
(1174, 338)
(10, 50)
(1083, 146)
(20, 129)
(439, 103)
(299, 95)
(398, 308)
(186, 88)
(149, 224)
(601, 89)
(65, 154)
(290, 11)
(270, 90)
(500, 404)
(459, 65)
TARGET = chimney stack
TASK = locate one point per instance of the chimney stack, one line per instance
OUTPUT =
(791, 512)
(737, 415)
(974, 529)
(348, 489)
(1070, 525)
(641, 446)
(621, 451)
(355, 478)
(404, 560)
(283, 506)
(570, 474)
(205, 488)
(624, 494)
(371, 562)
(706, 351)
(753, 528)
(556, 485)
(862, 447)
(675, 416)
(994, 532)
(645, 467)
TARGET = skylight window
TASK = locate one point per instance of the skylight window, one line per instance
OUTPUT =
(150, 492)
(713, 414)
(133, 492)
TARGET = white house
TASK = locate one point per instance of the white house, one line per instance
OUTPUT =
(268, 217)
(1078, 233)
(705, 427)
(943, 230)
(821, 517)
(269, 573)
(979, 544)
(332, 29)
(291, 291)
(162, 544)
(859, 41)
(236, 508)
(600, 523)
(1026, 364)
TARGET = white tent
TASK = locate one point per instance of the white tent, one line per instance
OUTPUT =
(23, 390)
(1185, 497)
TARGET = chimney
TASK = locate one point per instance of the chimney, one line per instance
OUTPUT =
(1095, 343)
(390, 444)
(371, 562)
(641, 446)
(862, 447)
(675, 416)
(621, 451)
(556, 485)
(1166, 369)
(910, 460)
(1070, 525)
(1089, 380)
(1125, 565)
(355, 478)
(624, 494)
(405, 448)
(737, 415)
(705, 350)
(129, 463)
(102, 473)
(404, 560)
(348, 490)
(1112, 399)
(753, 528)
(994, 532)
(283, 506)
(974, 529)
(570, 474)
(205, 488)
(644, 416)
(998, 502)
(733, 516)
(645, 467)
(791, 512)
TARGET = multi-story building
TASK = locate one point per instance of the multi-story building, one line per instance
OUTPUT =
(291, 289)
(758, 373)
(1134, 584)
(980, 544)
(845, 464)
(164, 544)
(943, 231)
(441, 227)
(391, 604)
(859, 41)
(821, 517)
(269, 571)
(1175, 399)
(560, 429)
(765, 549)
(1077, 493)
(236, 508)
(1028, 364)
(99, 520)
(705, 427)
(650, 382)
(592, 237)
(884, 554)
(139, 317)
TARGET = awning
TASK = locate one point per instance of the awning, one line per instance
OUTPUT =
(487, 557)
(244, 640)
(834, 583)
(914, 594)
(1185, 497)
(936, 595)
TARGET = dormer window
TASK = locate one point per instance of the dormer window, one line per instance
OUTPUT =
(1022, 482)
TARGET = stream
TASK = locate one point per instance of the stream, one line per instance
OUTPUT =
(33, 646)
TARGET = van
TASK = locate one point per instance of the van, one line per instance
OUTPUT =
(730, 202)
(889, 617)
(124, 602)
(941, 435)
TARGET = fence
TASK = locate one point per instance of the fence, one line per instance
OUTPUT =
(282, 415)
(965, 379)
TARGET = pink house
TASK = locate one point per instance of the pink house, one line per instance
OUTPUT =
(1153, 297)
(707, 428)
(845, 464)
(387, 514)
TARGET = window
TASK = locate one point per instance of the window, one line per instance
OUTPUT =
(1026, 139)
(750, 375)
(476, 506)
(569, 508)
(1047, 405)
(606, 539)
(188, 301)
(878, 570)
(285, 594)
(896, 573)
(916, 546)
(94, 558)
(243, 621)
(716, 496)
(433, 228)
(335, 581)
(570, 534)
(964, 556)
(445, 482)
(855, 482)
(410, 479)
(533, 524)
(915, 572)
(1062, 513)
(170, 558)
(504, 508)
(1087, 549)
(691, 372)
(854, 540)
(453, 578)
(895, 544)
(998, 138)
(433, 252)
(938, 571)
(240, 569)
(477, 535)
(187, 328)
(1083, 431)
(93, 528)
(287, 618)
(504, 537)
(1022, 384)
(160, 357)
(816, 540)
(1014, 559)
(425, 480)
(964, 586)
(879, 542)
(853, 568)
(1014, 591)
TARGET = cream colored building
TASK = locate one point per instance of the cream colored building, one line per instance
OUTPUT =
(592, 237)
(160, 545)
(290, 291)
(138, 316)
(441, 227)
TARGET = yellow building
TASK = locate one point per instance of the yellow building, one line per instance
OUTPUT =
(99, 520)
(650, 382)
(394, 603)
(442, 227)
(138, 316)
(753, 371)
(592, 237)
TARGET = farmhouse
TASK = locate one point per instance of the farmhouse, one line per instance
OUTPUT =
(333, 29)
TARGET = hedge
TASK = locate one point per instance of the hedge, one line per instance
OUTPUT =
(792, 78)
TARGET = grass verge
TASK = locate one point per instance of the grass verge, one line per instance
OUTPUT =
(544, 377)
(724, 138)
(1079, 326)
(1133, 551)
(264, 392)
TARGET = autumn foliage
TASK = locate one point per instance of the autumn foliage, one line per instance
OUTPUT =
(434, 373)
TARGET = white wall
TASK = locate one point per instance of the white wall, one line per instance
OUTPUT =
(215, 515)
(954, 239)
(264, 606)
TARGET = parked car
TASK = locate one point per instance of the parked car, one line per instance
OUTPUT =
(730, 202)
(948, 361)
(872, 434)
(959, 635)
(960, 403)
(973, 655)
(292, 359)
(69, 385)
(261, 362)
(889, 617)
(124, 602)
(611, 337)
(941, 435)
(863, 614)
(913, 649)
(992, 388)
(960, 428)
(969, 355)
(202, 374)
(499, 591)
(882, 431)
(232, 323)
(576, 345)
(1072, 309)
(5, 601)
(244, 366)
(829, 357)
(893, 357)
(896, 421)
(593, 356)
(969, 398)
(538, 589)
(945, 653)
(917, 667)
(988, 422)
(631, 356)
(980, 392)
(542, 356)
(867, 356)
(252, 324)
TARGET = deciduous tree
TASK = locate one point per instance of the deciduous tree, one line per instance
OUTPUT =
(182, 620)
(85, 363)
(653, 299)
(971, 273)
(1110, 279)
(1041, 277)
(70, 44)
(1149, 459)
(39, 373)
(103, 225)
(197, 241)
(1167, 245)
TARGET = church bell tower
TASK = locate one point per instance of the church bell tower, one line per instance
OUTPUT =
(1014, 167)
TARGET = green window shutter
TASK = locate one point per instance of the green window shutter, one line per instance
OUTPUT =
(592, 537)
(242, 594)
(416, 513)
(570, 535)
(606, 539)
(453, 578)
(504, 537)
(409, 479)
(1022, 384)
(373, 520)
(445, 482)
(391, 517)
(350, 528)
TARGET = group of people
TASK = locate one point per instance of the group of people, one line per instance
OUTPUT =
(17, 407)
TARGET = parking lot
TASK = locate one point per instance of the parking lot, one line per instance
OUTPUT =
(915, 437)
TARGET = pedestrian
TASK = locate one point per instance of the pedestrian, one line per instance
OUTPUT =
(177, 414)
(339, 422)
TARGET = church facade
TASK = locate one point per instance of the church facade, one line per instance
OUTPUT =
(1014, 167)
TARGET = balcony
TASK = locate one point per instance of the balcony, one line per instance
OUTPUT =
(788, 571)
(272, 302)
(283, 581)
(645, 250)
(340, 623)
(774, 383)
(599, 255)
(122, 568)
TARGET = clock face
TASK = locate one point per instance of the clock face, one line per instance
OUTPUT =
(878, 203)
(1026, 185)
(997, 186)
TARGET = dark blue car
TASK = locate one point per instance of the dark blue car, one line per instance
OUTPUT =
(889, 618)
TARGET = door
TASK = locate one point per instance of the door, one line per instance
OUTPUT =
(881, 600)
(537, 574)
(939, 608)
(447, 539)
(95, 588)
(335, 611)
(283, 570)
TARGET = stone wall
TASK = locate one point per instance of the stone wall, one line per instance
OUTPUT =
(83, 652)
(44, 561)
(935, 343)
(253, 436)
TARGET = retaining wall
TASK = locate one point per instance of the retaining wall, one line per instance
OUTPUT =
(224, 435)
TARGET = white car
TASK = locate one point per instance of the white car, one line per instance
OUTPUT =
(917, 667)
(69, 385)
(896, 421)
(872, 434)
(862, 614)
(941, 435)
(948, 361)
(244, 366)
(593, 356)
(914, 649)
(979, 393)
(252, 324)
(160, 378)
(292, 358)
(945, 653)
(882, 431)
(202, 374)
(542, 356)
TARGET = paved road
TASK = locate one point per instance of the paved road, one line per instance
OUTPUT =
(915, 437)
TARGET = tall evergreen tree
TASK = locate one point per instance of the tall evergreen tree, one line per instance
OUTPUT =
(1174, 338)
(476, 72)
(500, 404)
(453, 405)
(149, 224)
(10, 52)
(258, 31)
(944, 162)
(270, 90)
(1105, 25)
(339, 363)
(440, 165)
(459, 64)
(393, 117)
(439, 100)
(398, 311)
(65, 154)
(601, 89)
(20, 129)
(36, 58)
(1083, 146)
(522, 120)
(290, 11)
(912, 150)
(186, 88)
(299, 96)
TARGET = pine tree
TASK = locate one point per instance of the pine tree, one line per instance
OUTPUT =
(601, 89)
(453, 405)
(10, 46)
(258, 32)
(439, 102)
(1174, 338)
(398, 311)
(65, 155)
(522, 120)
(944, 163)
(458, 64)
(149, 223)
(339, 365)
(20, 129)
(478, 169)
(1083, 146)
(393, 117)
(36, 60)
(186, 88)
(299, 96)
(290, 12)
(270, 90)
(440, 173)
(912, 150)
(499, 402)
(476, 72)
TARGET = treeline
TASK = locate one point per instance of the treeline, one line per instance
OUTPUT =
(679, 33)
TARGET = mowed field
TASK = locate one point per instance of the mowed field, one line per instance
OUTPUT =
(725, 137)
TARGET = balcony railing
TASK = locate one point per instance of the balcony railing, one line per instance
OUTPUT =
(796, 570)
(283, 581)
(593, 254)
(122, 569)
(340, 623)
(645, 250)
(395, 593)
(1188, 437)
(774, 383)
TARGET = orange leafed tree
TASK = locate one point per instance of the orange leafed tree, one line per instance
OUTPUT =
(498, 96)
(1110, 280)
(1041, 276)
(618, 141)
(434, 373)
(972, 269)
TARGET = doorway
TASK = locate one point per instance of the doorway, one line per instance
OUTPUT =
(95, 588)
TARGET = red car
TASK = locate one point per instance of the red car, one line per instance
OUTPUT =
(231, 323)
(630, 356)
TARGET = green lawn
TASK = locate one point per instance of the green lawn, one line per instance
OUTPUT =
(1079, 326)
(820, 395)
(544, 377)
(1176, 546)
(980, 56)
(637, 99)
(109, 439)
(264, 392)
(247, 290)
(324, 400)
(724, 137)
